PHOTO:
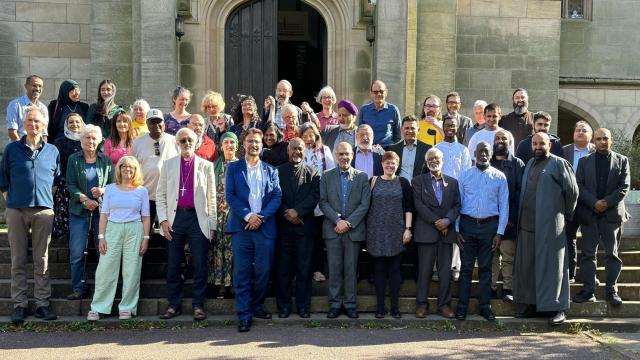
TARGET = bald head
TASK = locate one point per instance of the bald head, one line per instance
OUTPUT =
(344, 154)
(541, 145)
(483, 154)
(295, 150)
(602, 139)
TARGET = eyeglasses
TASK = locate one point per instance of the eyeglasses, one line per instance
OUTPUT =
(156, 148)
(431, 106)
(379, 92)
(453, 102)
(186, 140)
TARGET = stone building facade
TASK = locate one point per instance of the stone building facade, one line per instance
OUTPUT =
(573, 68)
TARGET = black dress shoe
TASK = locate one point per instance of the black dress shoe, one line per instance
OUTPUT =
(528, 312)
(583, 297)
(507, 295)
(461, 314)
(19, 314)
(261, 314)
(284, 313)
(488, 314)
(43, 313)
(304, 313)
(244, 325)
(352, 313)
(614, 299)
(334, 313)
(558, 319)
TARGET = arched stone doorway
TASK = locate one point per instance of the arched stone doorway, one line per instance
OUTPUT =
(568, 115)
(267, 40)
(335, 14)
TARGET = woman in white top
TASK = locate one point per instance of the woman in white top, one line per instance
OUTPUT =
(318, 156)
(124, 235)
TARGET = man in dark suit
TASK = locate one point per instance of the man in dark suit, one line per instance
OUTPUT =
(300, 185)
(436, 199)
(252, 190)
(603, 180)
(410, 150)
(344, 200)
(581, 147)
(365, 157)
(346, 129)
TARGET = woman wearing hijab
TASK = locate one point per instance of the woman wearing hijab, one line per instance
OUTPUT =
(68, 102)
(220, 256)
(66, 146)
(99, 113)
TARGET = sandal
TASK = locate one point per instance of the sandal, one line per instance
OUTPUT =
(170, 314)
(199, 314)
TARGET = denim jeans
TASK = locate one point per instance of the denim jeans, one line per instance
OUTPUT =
(78, 233)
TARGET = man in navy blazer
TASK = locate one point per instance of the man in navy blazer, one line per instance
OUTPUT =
(365, 157)
(252, 190)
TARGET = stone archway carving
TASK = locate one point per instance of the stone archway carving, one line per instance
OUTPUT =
(580, 108)
(335, 13)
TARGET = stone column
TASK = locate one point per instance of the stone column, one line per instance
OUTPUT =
(436, 50)
(111, 48)
(390, 49)
(159, 61)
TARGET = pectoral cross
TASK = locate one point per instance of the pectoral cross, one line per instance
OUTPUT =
(183, 190)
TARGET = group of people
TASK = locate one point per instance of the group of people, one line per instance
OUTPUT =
(250, 194)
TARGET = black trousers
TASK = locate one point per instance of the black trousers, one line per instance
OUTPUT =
(318, 256)
(571, 230)
(387, 267)
(295, 257)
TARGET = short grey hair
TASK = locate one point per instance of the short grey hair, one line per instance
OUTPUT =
(364, 127)
(90, 128)
(289, 109)
(31, 108)
(187, 131)
(326, 91)
(481, 103)
(433, 150)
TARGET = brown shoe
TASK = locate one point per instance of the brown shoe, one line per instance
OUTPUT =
(446, 312)
(421, 311)
(170, 314)
(199, 314)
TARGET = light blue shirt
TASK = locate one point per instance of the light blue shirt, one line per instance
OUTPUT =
(484, 194)
(408, 161)
(364, 161)
(577, 155)
(455, 158)
(15, 114)
(256, 181)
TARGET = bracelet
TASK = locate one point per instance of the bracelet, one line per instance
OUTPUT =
(408, 228)
(146, 237)
(101, 236)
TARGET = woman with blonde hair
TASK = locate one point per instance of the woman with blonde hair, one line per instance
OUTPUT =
(216, 121)
(327, 98)
(124, 237)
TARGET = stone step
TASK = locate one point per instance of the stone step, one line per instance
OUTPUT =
(319, 304)
(629, 274)
(156, 288)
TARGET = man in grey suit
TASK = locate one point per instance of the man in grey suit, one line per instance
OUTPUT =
(437, 203)
(411, 151)
(603, 179)
(344, 200)
(581, 147)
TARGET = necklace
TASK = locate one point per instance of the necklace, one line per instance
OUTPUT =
(184, 179)
(74, 108)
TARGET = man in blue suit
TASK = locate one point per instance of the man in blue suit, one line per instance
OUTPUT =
(252, 190)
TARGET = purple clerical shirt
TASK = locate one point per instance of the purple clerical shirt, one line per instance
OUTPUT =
(185, 191)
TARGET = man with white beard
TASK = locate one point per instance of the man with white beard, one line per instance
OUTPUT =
(520, 121)
(346, 130)
(484, 195)
(436, 199)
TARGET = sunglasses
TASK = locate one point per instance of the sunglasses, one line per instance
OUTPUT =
(185, 140)
(378, 91)
(156, 148)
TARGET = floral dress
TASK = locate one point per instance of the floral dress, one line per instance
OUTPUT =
(220, 255)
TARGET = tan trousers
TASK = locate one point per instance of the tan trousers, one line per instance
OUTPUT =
(19, 221)
(503, 260)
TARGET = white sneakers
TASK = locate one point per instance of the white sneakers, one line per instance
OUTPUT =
(95, 316)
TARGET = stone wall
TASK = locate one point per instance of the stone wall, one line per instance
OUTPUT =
(48, 38)
(505, 44)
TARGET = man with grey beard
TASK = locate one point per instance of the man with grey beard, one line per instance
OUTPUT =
(520, 121)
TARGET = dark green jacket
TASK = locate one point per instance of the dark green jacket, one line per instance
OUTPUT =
(77, 180)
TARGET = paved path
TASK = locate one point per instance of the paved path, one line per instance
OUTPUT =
(300, 343)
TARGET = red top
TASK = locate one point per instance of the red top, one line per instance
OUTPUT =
(207, 150)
